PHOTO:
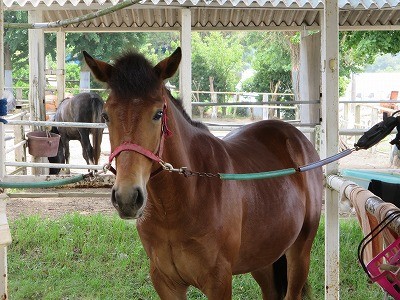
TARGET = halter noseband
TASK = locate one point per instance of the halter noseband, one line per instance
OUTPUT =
(129, 146)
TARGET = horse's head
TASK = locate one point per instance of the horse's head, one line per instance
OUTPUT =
(134, 116)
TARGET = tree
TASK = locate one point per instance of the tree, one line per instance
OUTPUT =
(272, 63)
(218, 55)
(276, 65)
(360, 48)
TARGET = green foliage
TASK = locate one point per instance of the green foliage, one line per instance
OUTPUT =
(16, 40)
(272, 63)
(72, 75)
(360, 48)
(354, 283)
(218, 55)
(104, 46)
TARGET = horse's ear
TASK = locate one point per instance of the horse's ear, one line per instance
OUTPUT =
(100, 69)
(168, 66)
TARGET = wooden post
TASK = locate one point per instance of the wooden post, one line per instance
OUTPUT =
(19, 136)
(185, 73)
(5, 240)
(2, 152)
(60, 66)
(37, 78)
(1, 47)
(357, 116)
(330, 140)
(309, 87)
(265, 106)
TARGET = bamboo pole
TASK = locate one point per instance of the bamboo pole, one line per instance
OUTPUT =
(62, 23)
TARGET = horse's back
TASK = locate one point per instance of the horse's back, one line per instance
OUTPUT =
(83, 107)
(277, 142)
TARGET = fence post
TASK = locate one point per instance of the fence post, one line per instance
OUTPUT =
(357, 114)
(18, 95)
(265, 107)
(2, 152)
(19, 136)
(5, 240)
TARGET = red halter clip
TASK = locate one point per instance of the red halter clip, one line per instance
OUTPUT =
(129, 146)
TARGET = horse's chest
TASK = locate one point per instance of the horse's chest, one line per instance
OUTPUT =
(180, 259)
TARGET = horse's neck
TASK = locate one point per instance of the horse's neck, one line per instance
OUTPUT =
(178, 151)
(177, 147)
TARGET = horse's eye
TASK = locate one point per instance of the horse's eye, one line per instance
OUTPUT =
(104, 116)
(158, 115)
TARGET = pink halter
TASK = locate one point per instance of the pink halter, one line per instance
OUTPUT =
(129, 146)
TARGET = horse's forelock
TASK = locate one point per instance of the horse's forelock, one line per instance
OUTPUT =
(133, 77)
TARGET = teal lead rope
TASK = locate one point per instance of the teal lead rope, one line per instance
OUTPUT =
(284, 172)
(261, 175)
(43, 184)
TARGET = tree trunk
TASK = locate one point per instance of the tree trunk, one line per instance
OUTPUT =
(213, 99)
(275, 88)
(295, 60)
(8, 80)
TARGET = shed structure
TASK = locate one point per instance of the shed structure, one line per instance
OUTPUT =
(319, 53)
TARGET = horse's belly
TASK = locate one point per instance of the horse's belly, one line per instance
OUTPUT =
(266, 238)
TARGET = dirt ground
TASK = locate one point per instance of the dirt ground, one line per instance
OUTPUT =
(56, 204)
(52, 203)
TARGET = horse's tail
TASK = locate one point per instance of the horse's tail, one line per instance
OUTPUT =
(97, 133)
(280, 279)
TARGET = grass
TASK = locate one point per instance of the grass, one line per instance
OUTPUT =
(99, 257)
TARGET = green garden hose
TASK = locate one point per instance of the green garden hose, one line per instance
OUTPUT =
(261, 175)
(42, 184)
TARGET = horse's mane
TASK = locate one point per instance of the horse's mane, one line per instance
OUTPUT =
(134, 75)
(178, 104)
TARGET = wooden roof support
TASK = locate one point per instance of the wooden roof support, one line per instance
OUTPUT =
(330, 140)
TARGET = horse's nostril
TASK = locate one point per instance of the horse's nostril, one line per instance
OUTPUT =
(114, 199)
(138, 197)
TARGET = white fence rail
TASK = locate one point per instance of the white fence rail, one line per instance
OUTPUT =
(20, 144)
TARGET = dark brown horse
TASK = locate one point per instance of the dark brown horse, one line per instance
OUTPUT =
(199, 231)
(82, 108)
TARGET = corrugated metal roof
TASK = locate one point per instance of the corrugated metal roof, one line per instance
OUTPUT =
(343, 4)
(216, 14)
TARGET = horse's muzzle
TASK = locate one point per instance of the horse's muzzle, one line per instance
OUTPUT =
(128, 203)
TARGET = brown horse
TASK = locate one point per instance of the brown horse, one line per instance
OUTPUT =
(199, 231)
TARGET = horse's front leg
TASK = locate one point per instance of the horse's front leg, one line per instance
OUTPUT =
(165, 287)
(218, 285)
(65, 142)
